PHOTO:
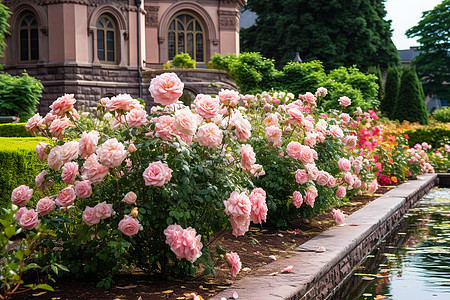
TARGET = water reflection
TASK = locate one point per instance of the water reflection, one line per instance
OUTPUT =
(413, 262)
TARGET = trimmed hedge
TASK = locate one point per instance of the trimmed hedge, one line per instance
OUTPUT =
(14, 130)
(436, 137)
(18, 165)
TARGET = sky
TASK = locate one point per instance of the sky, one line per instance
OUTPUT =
(404, 15)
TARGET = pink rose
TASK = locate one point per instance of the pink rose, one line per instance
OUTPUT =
(41, 182)
(238, 204)
(348, 177)
(229, 97)
(242, 126)
(132, 148)
(248, 157)
(321, 92)
(29, 219)
(344, 165)
(345, 118)
(338, 216)
(166, 88)
(57, 127)
(240, 224)
(129, 225)
(206, 106)
(123, 102)
(311, 194)
(331, 182)
(273, 135)
(45, 206)
(93, 171)
(54, 158)
(312, 170)
(164, 128)
(33, 122)
(271, 120)
(104, 210)
(209, 135)
(301, 176)
(351, 141)
(83, 189)
(70, 171)
(235, 262)
(336, 131)
(295, 116)
(341, 192)
(322, 178)
(294, 149)
(111, 153)
(259, 206)
(297, 199)
(21, 195)
(130, 198)
(66, 197)
(19, 213)
(88, 144)
(186, 122)
(345, 101)
(136, 118)
(90, 216)
(307, 155)
(157, 174)
(185, 243)
(63, 104)
(41, 151)
(321, 126)
(311, 139)
(373, 186)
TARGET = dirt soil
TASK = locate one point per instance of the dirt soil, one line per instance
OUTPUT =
(254, 250)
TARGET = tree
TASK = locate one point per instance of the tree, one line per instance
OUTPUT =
(377, 72)
(390, 90)
(410, 104)
(433, 62)
(339, 33)
(4, 15)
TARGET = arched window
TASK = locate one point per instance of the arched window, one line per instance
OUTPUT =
(186, 35)
(106, 40)
(29, 41)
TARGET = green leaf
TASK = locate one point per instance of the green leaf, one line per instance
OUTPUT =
(55, 269)
(169, 221)
(45, 287)
(9, 231)
(19, 254)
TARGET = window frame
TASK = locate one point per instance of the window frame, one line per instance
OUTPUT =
(28, 29)
(105, 40)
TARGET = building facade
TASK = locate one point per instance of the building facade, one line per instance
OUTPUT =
(98, 48)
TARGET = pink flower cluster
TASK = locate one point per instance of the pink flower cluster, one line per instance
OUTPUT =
(185, 243)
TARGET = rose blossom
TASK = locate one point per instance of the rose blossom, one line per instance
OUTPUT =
(336, 131)
(273, 135)
(209, 135)
(373, 186)
(301, 176)
(129, 225)
(166, 88)
(164, 128)
(239, 208)
(136, 118)
(341, 192)
(21, 195)
(322, 178)
(88, 144)
(311, 139)
(248, 157)
(111, 153)
(54, 158)
(351, 141)
(122, 101)
(311, 194)
(29, 219)
(338, 216)
(132, 148)
(345, 101)
(103, 210)
(40, 181)
(259, 206)
(312, 171)
(235, 262)
(45, 206)
(344, 165)
(66, 197)
(83, 189)
(63, 104)
(157, 174)
(297, 199)
(243, 127)
(295, 116)
(206, 106)
(70, 171)
(186, 122)
(33, 122)
(294, 149)
(307, 155)
(93, 171)
(90, 216)
(240, 224)
(271, 120)
(69, 151)
(58, 126)
(321, 92)
(130, 198)
(331, 182)
(348, 177)
(229, 97)
(19, 213)
(41, 151)
(184, 243)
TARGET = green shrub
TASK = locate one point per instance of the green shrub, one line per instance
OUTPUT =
(222, 62)
(184, 61)
(14, 130)
(18, 165)
(436, 137)
(442, 115)
(391, 91)
(19, 95)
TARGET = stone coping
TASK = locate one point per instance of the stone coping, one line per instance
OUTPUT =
(316, 274)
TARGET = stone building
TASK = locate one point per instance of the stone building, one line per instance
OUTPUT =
(98, 48)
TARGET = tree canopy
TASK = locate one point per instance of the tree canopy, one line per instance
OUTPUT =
(339, 33)
(4, 15)
(433, 62)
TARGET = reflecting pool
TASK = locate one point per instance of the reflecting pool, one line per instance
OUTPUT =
(413, 262)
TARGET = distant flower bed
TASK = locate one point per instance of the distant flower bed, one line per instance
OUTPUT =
(150, 190)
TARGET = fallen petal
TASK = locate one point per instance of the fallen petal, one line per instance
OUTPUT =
(272, 257)
(273, 274)
(320, 249)
(287, 269)
(235, 295)
(246, 269)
